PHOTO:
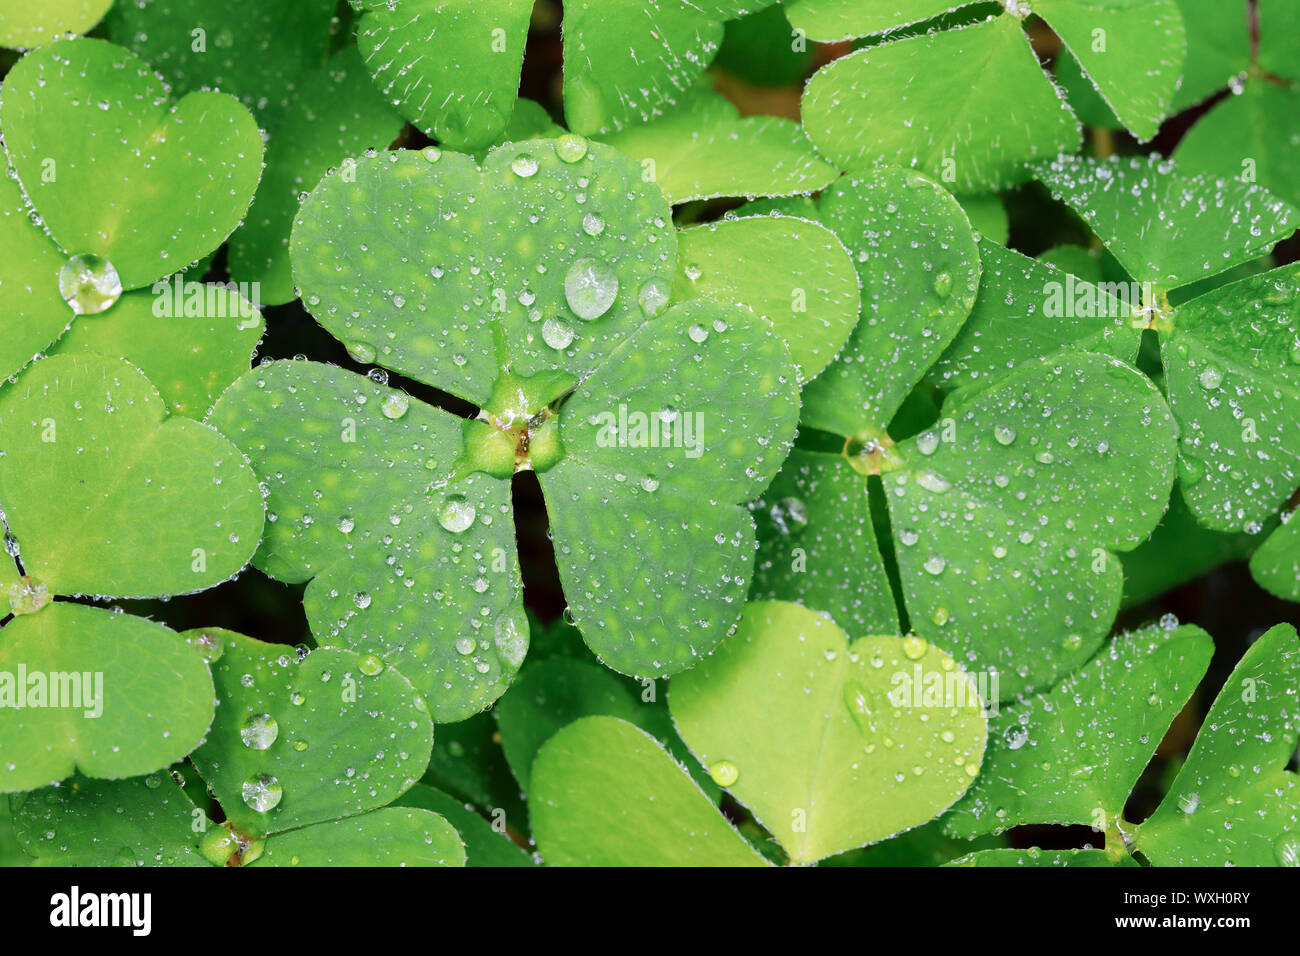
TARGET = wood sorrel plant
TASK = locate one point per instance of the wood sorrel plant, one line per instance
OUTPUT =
(420, 448)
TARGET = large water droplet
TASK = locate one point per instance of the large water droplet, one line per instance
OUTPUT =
(590, 287)
(1286, 849)
(1210, 378)
(653, 296)
(790, 515)
(1004, 434)
(259, 731)
(524, 165)
(89, 284)
(394, 405)
(570, 148)
(456, 513)
(262, 792)
(556, 334)
(724, 773)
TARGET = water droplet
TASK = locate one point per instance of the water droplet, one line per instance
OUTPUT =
(858, 703)
(1004, 434)
(790, 515)
(592, 224)
(590, 287)
(724, 773)
(524, 165)
(1210, 378)
(931, 481)
(362, 352)
(570, 148)
(89, 284)
(362, 600)
(940, 616)
(935, 564)
(210, 646)
(927, 442)
(370, 664)
(262, 792)
(698, 334)
(556, 334)
(259, 731)
(653, 296)
(346, 524)
(378, 376)
(943, 284)
(394, 405)
(1286, 850)
(456, 513)
(1188, 802)
(466, 645)
(914, 648)
(431, 153)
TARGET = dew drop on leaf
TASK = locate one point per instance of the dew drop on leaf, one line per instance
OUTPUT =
(259, 731)
(724, 773)
(89, 284)
(790, 515)
(262, 792)
(556, 334)
(456, 513)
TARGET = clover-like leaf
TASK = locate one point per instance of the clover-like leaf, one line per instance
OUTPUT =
(166, 184)
(1279, 48)
(831, 744)
(794, 272)
(1234, 803)
(1218, 47)
(1276, 565)
(301, 740)
(1007, 114)
(830, 21)
(393, 836)
(606, 794)
(1073, 753)
(703, 149)
(536, 290)
(31, 24)
(109, 695)
(107, 494)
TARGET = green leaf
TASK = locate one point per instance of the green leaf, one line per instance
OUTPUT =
(1037, 857)
(306, 739)
(817, 544)
(912, 305)
(1218, 47)
(1108, 36)
(30, 25)
(1027, 309)
(1276, 565)
(1252, 135)
(484, 846)
(118, 696)
(551, 694)
(191, 339)
(468, 763)
(761, 49)
(1007, 112)
(1086, 103)
(1072, 755)
(1006, 517)
(1166, 226)
(472, 242)
(1279, 38)
(11, 853)
(626, 62)
(703, 149)
(987, 215)
(143, 821)
(334, 112)
(831, 745)
(107, 494)
(83, 118)
(793, 272)
(32, 313)
(1234, 386)
(393, 836)
(255, 50)
(699, 406)
(1234, 803)
(829, 21)
(451, 68)
(359, 473)
(606, 794)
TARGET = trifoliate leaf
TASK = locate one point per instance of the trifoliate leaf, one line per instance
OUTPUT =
(1218, 47)
(85, 689)
(117, 172)
(393, 836)
(1276, 565)
(406, 561)
(142, 821)
(1232, 372)
(31, 24)
(333, 113)
(1234, 803)
(451, 68)
(1027, 309)
(1248, 136)
(1107, 38)
(703, 149)
(484, 846)
(1165, 226)
(1008, 113)
(255, 50)
(606, 794)
(829, 21)
(831, 745)
(107, 494)
(1072, 754)
(793, 272)
(912, 305)
(305, 740)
